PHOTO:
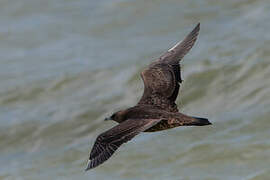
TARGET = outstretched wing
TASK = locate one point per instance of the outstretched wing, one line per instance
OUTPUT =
(162, 77)
(108, 142)
(177, 52)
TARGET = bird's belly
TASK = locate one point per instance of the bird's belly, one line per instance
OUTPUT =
(162, 125)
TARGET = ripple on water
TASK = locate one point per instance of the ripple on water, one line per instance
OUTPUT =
(67, 65)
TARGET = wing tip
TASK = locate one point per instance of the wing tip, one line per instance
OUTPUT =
(198, 25)
(88, 167)
(197, 28)
(194, 32)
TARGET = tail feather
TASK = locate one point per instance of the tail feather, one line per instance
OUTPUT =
(200, 121)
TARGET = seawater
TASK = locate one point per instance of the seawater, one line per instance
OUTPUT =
(66, 65)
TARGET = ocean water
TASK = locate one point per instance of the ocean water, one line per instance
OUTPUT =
(66, 65)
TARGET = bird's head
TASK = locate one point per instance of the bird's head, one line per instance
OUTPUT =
(118, 116)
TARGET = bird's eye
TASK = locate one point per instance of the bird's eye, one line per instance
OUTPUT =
(113, 116)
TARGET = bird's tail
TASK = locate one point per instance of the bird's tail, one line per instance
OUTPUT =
(186, 120)
(198, 121)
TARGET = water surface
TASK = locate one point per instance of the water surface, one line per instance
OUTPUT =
(65, 65)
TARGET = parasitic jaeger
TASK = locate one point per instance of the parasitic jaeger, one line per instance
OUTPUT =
(156, 110)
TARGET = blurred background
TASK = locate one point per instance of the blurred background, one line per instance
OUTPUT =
(66, 65)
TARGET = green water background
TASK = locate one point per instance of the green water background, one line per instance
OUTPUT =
(66, 65)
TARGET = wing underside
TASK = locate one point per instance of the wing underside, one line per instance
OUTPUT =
(162, 78)
(108, 142)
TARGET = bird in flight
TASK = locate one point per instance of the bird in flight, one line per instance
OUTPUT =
(156, 110)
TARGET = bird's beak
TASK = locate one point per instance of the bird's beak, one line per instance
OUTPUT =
(107, 118)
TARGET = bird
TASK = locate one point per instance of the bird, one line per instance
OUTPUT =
(156, 110)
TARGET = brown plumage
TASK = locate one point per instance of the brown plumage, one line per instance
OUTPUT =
(156, 110)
